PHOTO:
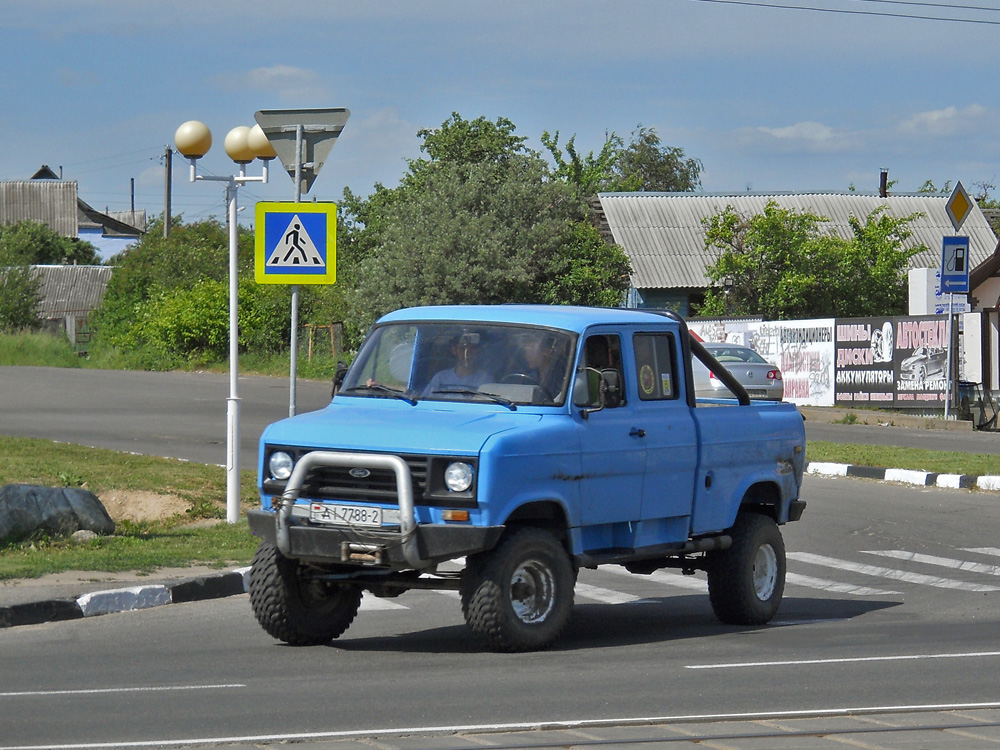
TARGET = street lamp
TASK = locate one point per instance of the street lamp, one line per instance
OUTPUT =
(243, 145)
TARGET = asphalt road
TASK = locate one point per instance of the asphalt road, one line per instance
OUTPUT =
(891, 607)
(183, 415)
(891, 610)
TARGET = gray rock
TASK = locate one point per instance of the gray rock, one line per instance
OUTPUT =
(60, 511)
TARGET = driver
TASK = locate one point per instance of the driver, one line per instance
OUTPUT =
(545, 360)
(466, 374)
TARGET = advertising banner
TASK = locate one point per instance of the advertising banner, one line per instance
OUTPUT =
(897, 362)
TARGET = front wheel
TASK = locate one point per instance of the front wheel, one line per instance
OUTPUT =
(294, 608)
(746, 581)
(519, 596)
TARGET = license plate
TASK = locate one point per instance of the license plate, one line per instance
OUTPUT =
(345, 515)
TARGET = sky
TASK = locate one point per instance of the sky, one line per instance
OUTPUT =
(769, 99)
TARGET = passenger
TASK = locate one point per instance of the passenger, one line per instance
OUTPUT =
(466, 374)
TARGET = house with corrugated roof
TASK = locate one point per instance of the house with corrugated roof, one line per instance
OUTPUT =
(69, 293)
(663, 235)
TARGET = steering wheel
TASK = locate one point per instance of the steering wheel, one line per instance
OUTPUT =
(522, 378)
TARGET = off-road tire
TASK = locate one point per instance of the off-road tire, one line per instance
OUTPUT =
(295, 609)
(518, 597)
(746, 581)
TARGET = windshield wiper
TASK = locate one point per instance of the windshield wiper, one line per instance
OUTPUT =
(379, 388)
(491, 396)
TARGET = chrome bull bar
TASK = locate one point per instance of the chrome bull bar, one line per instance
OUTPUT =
(404, 492)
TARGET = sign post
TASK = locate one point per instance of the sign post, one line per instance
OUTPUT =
(302, 139)
(955, 269)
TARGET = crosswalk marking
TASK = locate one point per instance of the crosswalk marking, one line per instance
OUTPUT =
(605, 596)
(675, 579)
(668, 578)
(945, 562)
(994, 551)
(890, 573)
(371, 603)
(797, 579)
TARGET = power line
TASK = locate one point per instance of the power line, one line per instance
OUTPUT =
(856, 12)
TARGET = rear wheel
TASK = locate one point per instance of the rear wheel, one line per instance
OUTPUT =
(519, 596)
(746, 581)
(294, 608)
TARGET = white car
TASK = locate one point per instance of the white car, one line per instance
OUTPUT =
(761, 379)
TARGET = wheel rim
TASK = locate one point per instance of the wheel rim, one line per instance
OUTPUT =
(532, 592)
(765, 572)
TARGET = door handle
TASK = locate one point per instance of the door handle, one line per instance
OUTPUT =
(637, 432)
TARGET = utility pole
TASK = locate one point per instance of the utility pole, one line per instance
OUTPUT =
(168, 166)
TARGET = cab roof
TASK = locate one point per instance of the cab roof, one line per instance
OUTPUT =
(567, 317)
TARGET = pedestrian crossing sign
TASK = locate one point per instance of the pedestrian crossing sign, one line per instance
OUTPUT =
(296, 243)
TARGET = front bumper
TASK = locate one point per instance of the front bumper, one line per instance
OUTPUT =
(432, 543)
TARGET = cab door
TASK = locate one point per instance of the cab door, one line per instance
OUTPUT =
(668, 432)
(612, 455)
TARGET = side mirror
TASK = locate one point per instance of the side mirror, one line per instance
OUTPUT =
(612, 381)
(338, 377)
(595, 390)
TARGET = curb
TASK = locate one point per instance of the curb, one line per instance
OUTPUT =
(126, 599)
(906, 476)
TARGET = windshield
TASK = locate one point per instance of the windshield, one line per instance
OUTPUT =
(507, 364)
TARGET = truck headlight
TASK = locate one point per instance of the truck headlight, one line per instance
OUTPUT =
(458, 476)
(281, 465)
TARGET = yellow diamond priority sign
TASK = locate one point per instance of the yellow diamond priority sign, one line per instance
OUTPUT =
(959, 206)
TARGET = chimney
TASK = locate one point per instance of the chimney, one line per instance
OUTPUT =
(883, 183)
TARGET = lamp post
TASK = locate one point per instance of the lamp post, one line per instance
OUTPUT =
(243, 145)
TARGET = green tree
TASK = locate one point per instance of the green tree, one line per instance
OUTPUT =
(37, 244)
(644, 164)
(168, 300)
(589, 175)
(20, 299)
(783, 264)
(482, 220)
(650, 166)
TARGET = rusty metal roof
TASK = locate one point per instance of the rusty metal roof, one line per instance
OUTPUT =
(663, 234)
(71, 289)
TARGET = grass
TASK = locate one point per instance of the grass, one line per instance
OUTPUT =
(885, 456)
(136, 546)
(46, 350)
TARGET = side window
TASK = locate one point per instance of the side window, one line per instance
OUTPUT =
(600, 353)
(655, 366)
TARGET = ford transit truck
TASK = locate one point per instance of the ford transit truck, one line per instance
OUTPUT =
(497, 450)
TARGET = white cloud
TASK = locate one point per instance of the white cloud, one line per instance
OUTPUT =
(944, 122)
(807, 137)
(290, 83)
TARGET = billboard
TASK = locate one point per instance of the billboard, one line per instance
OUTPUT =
(893, 362)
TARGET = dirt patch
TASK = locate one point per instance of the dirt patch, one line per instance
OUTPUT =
(139, 505)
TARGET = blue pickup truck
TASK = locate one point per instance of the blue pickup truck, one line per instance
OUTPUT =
(528, 441)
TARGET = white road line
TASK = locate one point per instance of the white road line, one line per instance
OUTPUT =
(890, 573)
(99, 691)
(667, 578)
(368, 733)
(944, 562)
(797, 579)
(373, 603)
(848, 660)
(994, 551)
(605, 596)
